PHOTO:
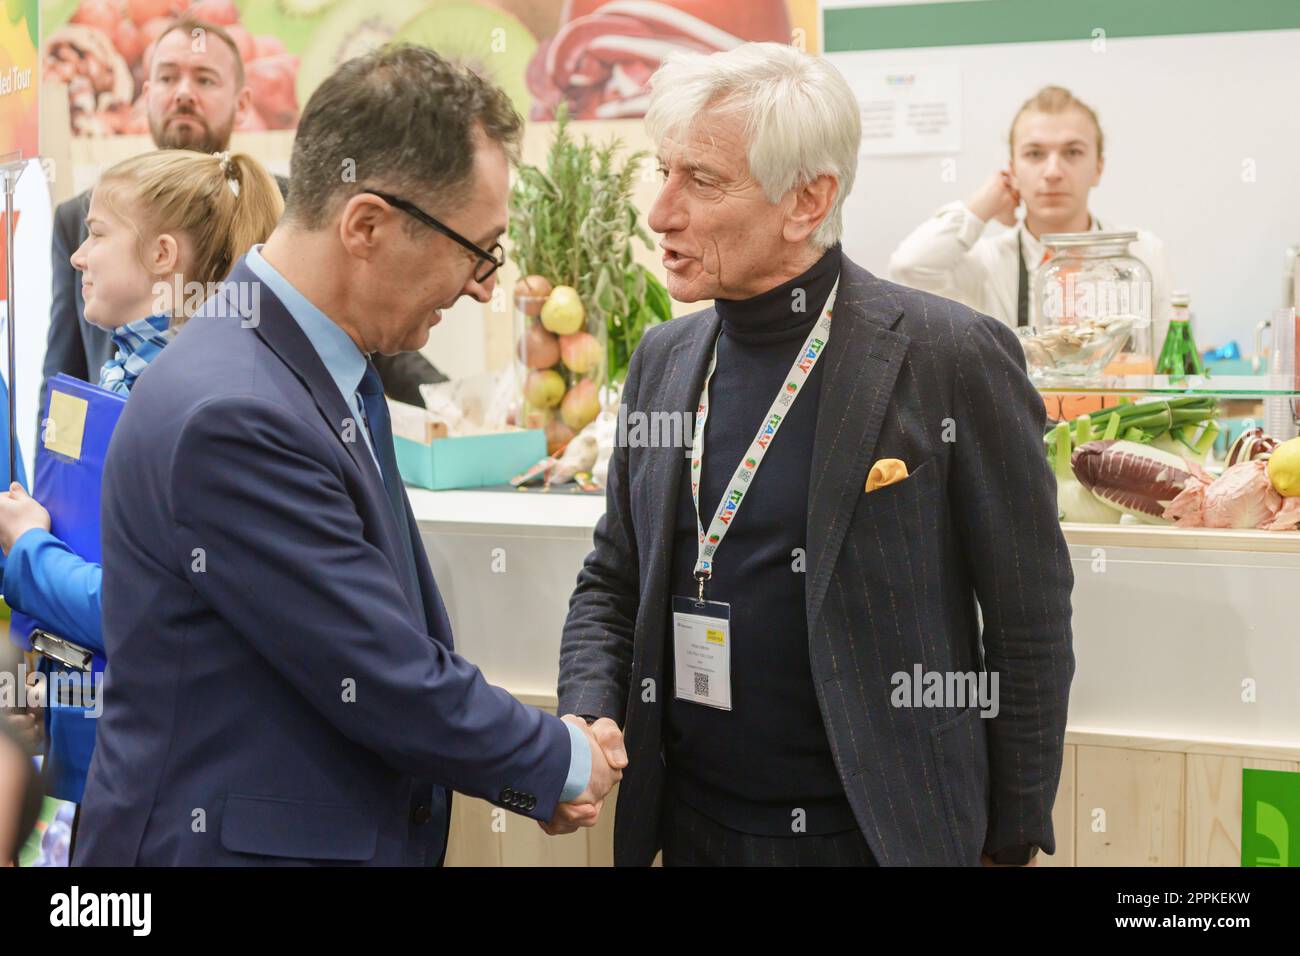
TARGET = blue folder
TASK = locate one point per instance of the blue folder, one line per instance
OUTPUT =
(77, 423)
(19, 474)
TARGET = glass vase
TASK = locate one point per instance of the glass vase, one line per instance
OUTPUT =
(1090, 309)
(560, 363)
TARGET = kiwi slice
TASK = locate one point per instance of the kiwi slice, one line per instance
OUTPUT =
(487, 40)
(352, 28)
(305, 8)
(294, 29)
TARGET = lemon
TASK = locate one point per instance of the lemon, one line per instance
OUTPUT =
(1284, 468)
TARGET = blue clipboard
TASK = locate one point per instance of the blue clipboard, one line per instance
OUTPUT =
(77, 423)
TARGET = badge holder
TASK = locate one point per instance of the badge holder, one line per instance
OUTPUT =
(702, 649)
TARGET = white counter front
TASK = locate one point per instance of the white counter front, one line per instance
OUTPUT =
(1187, 650)
(1176, 633)
(506, 564)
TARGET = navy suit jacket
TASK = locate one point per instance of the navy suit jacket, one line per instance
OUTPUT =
(272, 694)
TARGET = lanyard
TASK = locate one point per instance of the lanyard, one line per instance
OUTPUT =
(729, 507)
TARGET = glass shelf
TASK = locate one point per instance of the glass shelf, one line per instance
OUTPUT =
(1223, 386)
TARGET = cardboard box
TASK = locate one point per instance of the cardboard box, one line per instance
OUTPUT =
(471, 461)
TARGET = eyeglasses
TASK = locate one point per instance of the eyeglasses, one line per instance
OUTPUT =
(493, 258)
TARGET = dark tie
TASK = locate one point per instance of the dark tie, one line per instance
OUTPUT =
(380, 425)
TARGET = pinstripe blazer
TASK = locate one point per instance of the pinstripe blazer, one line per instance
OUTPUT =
(894, 578)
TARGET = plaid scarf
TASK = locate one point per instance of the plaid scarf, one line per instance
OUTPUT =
(138, 343)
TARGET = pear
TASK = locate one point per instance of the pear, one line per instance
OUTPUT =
(581, 405)
(544, 389)
(563, 313)
(581, 352)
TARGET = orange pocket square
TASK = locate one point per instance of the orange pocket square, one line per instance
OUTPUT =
(885, 472)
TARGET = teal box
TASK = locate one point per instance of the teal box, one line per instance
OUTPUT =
(470, 461)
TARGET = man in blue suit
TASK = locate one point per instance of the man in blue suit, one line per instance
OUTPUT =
(282, 686)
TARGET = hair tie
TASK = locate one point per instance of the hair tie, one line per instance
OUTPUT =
(227, 170)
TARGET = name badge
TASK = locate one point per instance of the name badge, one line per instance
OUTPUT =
(702, 652)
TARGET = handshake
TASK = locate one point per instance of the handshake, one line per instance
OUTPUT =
(608, 758)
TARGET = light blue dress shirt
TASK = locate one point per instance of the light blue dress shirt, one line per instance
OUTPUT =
(346, 365)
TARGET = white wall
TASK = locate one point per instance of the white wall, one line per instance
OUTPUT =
(1182, 116)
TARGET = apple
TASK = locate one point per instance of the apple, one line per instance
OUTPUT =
(580, 351)
(530, 293)
(563, 313)
(100, 14)
(544, 389)
(223, 13)
(581, 405)
(537, 347)
(268, 45)
(243, 42)
(558, 435)
(142, 11)
(127, 39)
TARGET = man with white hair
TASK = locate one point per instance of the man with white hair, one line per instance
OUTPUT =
(781, 623)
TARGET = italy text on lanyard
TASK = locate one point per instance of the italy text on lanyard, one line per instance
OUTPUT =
(729, 506)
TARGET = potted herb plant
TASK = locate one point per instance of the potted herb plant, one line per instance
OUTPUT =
(583, 303)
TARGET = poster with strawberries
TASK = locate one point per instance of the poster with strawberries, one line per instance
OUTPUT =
(595, 56)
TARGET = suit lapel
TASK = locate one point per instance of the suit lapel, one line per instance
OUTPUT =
(278, 329)
(862, 359)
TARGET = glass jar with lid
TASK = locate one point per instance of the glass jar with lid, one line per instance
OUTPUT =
(1090, 309)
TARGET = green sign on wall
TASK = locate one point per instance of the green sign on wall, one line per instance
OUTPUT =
(1270, 818)
(894, 26)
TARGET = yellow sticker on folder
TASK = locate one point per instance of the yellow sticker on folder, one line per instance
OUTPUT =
(66, 425)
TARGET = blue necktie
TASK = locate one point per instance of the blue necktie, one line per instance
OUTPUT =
(380, 425)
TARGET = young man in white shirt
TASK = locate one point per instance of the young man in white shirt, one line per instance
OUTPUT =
(1056, 159)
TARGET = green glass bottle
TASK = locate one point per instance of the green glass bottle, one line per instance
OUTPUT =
(1180, 356)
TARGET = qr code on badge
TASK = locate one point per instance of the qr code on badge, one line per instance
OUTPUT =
(701, 684)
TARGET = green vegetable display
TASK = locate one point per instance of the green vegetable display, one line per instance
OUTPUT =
(1182, 427)
(1187, 421)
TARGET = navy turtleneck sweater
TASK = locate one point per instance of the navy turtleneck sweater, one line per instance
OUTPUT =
(752, 767)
